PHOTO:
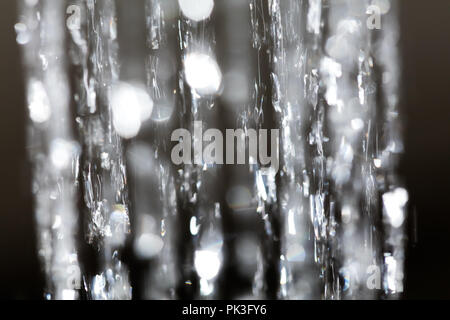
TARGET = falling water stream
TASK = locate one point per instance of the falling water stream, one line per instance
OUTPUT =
(107, 85)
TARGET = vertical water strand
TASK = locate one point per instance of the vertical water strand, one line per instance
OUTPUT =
(53, 151)
(389, 148)
(278, 74)
(78, 53)
(202, 79)
(259, 42)
(266, 279)
(339, 68)
(103, 167)
(367, 94)
(149, 160)
(155, 206)
(161, 61)
(368, 79)
(347, 72)
(315, 162)
(288, 64)
(240, 110)
(321, 204)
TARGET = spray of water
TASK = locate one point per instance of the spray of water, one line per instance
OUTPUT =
(326, 73)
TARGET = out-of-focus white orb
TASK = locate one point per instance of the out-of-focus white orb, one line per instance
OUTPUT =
(23, 36)
(126, 121)
(394, 203)
(62, 153)
(131, 105)
(194, 227)
(148, 245)
(196, 10)
(377, 163)
(346, 214)
(38, 103)
(357, 124)
(207, 264)
(202, 73)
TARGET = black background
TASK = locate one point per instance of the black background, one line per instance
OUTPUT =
(425, 166)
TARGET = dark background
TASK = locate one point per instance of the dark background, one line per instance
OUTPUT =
(425, 166)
